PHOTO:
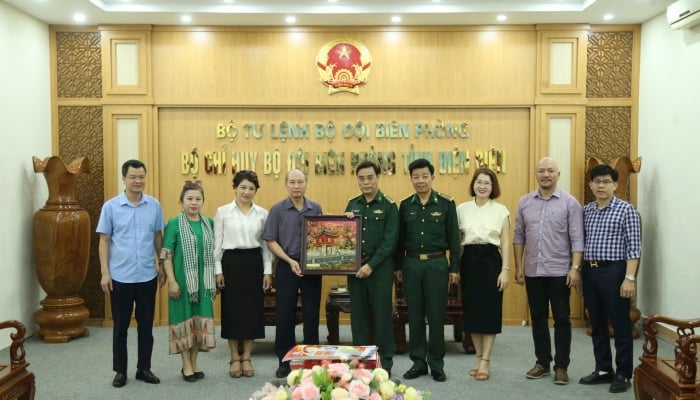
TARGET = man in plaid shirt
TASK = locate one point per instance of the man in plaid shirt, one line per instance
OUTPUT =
(612, 247)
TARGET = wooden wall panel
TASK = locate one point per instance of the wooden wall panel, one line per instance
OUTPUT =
(413, 67)
(183, 129)
(487, 76)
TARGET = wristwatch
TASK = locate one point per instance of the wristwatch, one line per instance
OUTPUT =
(630, 278)
(576, 267)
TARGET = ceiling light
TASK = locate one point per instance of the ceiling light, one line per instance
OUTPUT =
(291, 19)
(186, 19)
(608, 17)
(396, 19)
(79, 18)
(501, 18)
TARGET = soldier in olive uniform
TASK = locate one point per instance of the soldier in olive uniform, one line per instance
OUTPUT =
(428, 229)
(370, 288)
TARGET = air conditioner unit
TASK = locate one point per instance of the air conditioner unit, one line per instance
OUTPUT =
(683, 14)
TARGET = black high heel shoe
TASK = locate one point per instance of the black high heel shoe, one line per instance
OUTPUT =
(188, 378)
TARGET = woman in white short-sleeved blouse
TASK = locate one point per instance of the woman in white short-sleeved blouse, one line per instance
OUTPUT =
(484, 226)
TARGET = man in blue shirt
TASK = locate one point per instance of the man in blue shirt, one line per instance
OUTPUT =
(130, 229)
(612, 247)
(282, 232)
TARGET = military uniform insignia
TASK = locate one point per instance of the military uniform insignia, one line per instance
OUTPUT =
(446, 197)
(378, 211)
(435, 214)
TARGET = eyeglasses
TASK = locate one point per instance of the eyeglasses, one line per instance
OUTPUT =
(482, 183)
(602, 181)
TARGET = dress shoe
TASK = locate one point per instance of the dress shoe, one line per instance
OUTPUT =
(438, 375)
(596, 378)
(119, 379)
(619, 384)
(147, 376)
(188, 378)
(537, 372)
(199, 374)
(561, 377)
(282, 371)
(414, 373)
(470, 350)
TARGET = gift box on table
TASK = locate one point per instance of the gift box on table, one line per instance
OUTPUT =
(307, 355)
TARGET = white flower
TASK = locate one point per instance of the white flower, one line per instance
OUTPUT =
(381, 374)
(294, 377)
(340, 394)
(387, 389)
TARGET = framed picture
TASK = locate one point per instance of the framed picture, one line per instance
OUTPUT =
(331, 245)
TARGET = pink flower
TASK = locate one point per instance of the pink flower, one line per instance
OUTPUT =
(306, 391)
(345, 378)
(336, 370)
(365, 375)
(374, 396)
(358, 389)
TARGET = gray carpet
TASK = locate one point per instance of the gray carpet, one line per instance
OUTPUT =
(82, 369)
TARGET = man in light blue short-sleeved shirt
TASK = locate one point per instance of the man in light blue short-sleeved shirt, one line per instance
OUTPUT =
(130, 229)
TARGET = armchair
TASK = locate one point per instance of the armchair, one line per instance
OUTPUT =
(16, 382)
(669, 377)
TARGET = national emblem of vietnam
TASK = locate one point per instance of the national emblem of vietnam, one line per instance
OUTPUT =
(343, 65)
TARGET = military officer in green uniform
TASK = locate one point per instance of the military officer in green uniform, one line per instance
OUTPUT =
(428, 233)
(370, 288)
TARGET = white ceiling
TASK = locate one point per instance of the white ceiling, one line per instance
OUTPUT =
(340, 12)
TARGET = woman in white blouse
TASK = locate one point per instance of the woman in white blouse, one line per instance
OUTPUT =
(484, 230)
(243, 268)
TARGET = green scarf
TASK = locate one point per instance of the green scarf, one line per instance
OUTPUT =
(190, 257)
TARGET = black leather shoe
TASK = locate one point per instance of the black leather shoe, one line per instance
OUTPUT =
(595, 378)
(147, 376)
(188, 378)
(199, 374)
(119, 379)
(414, 373)
(619, 384)
(438, 375)
(282, 371)
(470, 350)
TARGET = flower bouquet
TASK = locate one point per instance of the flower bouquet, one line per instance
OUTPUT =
(339, 381)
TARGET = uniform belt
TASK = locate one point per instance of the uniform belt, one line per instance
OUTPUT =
(426, 256)
(601, 263)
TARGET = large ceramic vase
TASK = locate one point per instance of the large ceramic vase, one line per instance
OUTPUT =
(61, 238)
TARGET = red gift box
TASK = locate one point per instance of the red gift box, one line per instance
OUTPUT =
(306, 356)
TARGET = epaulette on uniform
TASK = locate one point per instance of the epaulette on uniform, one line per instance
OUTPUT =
(407, 197)
(354, 198)
(389, 199)
(446, 197)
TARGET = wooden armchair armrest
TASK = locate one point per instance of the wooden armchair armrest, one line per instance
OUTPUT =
(684, 328)
(17, 347)
(687, 357)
